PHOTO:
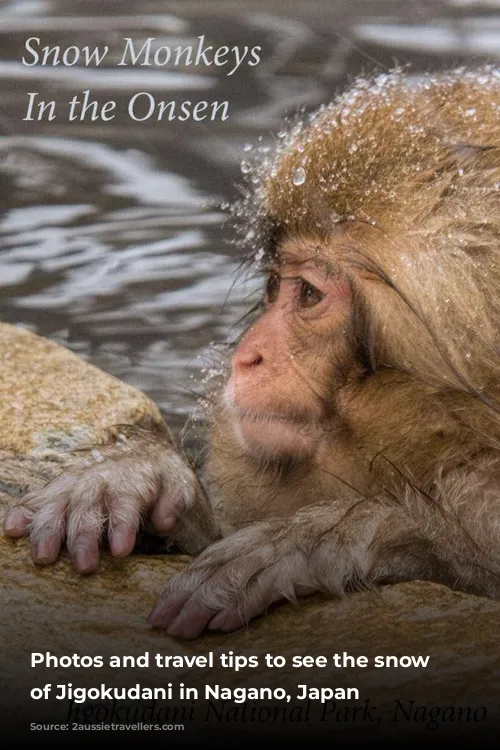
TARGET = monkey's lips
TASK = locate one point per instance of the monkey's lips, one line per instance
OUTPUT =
(275, 434)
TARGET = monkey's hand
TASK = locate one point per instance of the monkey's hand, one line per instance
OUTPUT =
(237, 578)
(145, 481)
(327, 547)
(234, 580)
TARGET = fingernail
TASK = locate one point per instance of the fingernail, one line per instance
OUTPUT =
(174, 630)
(13, 522)
(122, 542)
(40, 552)
(168, 522)
(82, 562)
(163, 523)
(156, 618)
(218, 621)
(9, 524)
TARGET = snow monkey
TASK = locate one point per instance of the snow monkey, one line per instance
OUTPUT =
(356, 440)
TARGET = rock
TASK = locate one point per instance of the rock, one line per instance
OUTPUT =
(52, 403)
(51, 400)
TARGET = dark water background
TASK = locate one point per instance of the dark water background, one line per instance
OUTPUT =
(111, 236)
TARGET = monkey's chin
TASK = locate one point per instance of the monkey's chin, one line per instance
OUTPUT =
(272, 436)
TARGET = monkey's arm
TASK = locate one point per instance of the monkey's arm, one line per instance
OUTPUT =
(335, 546)
(145, 480)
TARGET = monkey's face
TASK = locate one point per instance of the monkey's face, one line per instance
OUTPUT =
(290, 363)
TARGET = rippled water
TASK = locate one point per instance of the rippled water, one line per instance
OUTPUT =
(111, 236)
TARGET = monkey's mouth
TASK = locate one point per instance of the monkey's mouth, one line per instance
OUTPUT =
(275, 434)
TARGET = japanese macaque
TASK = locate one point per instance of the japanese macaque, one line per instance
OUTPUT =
(357, 439)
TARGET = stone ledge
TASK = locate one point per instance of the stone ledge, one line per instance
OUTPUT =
(52, 400)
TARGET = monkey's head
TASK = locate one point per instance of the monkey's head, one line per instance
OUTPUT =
(379, 230)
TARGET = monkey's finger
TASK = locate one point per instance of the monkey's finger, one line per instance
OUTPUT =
(239, 617)
(163, 516)
(46, 550)
(180, 590)
(87, 516)
(17, 521)
(227, 621)
(166, 610)
(191, 600)
(196, 614)
(84, 552)
(192, 620)
(253, 602)
(122, 540)
(272, 585)
(47, 532)
(124, 518)
(177, 494)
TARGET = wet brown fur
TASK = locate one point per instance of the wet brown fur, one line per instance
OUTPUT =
(400, 190)
(411, 172)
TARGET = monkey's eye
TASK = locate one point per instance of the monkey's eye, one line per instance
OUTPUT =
(272, 287)
(309, 295)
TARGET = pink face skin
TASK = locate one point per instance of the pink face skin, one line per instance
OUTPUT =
(272, 394)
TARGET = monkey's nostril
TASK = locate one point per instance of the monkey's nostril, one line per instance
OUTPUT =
(246, 363)
(247, 360)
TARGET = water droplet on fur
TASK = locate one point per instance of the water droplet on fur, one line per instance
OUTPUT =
(299, 176)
